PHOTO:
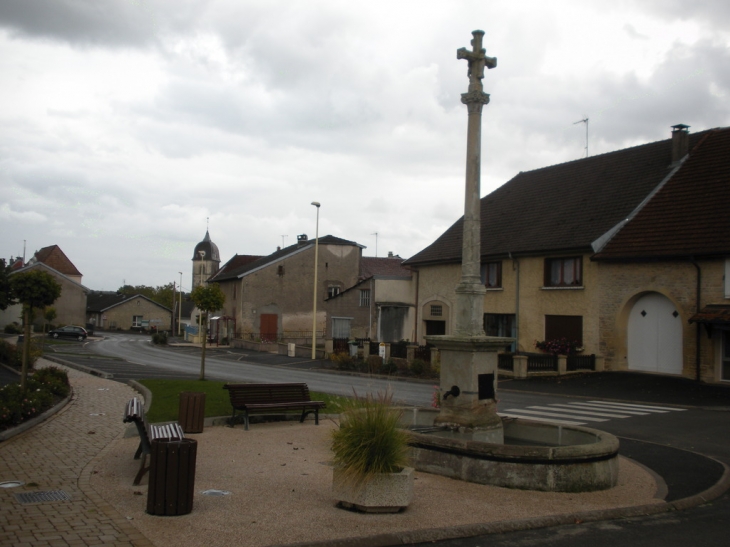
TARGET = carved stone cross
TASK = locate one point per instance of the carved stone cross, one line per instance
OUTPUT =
(477, 59)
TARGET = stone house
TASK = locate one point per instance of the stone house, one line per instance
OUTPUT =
(113, 311)
(71, 305)
(271, 297)
(580, 249)
(380, 306)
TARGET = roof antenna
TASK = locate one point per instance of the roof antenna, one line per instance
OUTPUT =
(283, 241)
(585, 121)
(376, 243)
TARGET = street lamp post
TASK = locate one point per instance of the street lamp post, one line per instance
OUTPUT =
(314, 307)
(179, 310)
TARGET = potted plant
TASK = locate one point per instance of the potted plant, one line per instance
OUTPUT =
(371, 457)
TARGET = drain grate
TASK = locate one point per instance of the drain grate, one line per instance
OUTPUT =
(40, 497)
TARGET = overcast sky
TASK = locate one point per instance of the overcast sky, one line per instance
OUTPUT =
(125, 124)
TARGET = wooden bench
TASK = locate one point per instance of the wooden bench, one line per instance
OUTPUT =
(261, 398)
(134, 412)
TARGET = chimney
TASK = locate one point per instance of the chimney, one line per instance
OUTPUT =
(301, 239)
(680, 142)
(390, 254)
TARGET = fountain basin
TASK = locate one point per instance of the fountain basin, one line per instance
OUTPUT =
(534, 456)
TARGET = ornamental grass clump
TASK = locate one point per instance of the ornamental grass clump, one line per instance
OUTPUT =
(370, 440)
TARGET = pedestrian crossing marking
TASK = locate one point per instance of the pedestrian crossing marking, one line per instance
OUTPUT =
(582, 413)
(589, 411)
(642, 407)
(628, 412)
(558, 414)
(537, 419)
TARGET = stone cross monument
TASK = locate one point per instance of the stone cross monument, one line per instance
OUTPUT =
(470, 291)
(468, 385)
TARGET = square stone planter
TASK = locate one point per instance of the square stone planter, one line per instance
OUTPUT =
(385, 493)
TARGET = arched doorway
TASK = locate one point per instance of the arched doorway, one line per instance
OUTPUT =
(655, 335)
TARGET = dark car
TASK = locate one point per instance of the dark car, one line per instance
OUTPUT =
(71, 331)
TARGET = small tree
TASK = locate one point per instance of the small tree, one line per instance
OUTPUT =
(34, 289)
(207, 298)
(49, 314)
(6, 297)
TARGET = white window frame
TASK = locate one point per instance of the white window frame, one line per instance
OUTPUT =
(364, 298)
(137, 320)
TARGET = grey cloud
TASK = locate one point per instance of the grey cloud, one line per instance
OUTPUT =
(714, 12)
(82, 22)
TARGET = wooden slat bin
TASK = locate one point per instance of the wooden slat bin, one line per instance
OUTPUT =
(172, 477)
(191, 411)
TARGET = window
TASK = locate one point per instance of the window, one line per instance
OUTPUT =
(365, 298)
(341, 327)
(136, 320)
(492, 275)
(332, 291)
(500, 324)
(564, 272)
(569, 327)
(280, 270)
(437, 310)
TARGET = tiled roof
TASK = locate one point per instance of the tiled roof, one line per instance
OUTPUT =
(233, 267)
(260, 262)
(689, 215)
(714, 314)
(562, 208)
(370, 266)
(54, 257)
(98, 301)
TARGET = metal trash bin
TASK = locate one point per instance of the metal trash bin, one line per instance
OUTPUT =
(353, 348)
(191, 412)
(172, 477)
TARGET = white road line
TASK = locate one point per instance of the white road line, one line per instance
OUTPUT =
(642, 407)
(602, 407)
(536, 419)
(555, 414)
(589, 413)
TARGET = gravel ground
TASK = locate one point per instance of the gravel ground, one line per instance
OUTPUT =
(279, 479)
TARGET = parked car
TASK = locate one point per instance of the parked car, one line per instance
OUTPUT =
(71, 331)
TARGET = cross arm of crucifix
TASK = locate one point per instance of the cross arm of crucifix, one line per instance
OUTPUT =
(477, 61)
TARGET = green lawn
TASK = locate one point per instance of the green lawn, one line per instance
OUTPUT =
(166, 397)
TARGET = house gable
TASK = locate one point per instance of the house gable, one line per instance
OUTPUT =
(55, 258)
(688, 216)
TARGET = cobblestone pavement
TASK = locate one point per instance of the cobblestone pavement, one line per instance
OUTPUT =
(53, 457)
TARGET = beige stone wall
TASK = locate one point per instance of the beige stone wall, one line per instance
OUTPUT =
(71, 305)
(605, 300)
(285, 288)
(624, 284)
(121, 316)
(437, 283)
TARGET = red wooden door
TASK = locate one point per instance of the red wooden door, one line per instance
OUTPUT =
(269, 327)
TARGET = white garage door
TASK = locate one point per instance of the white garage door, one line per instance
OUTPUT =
(655, 335)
